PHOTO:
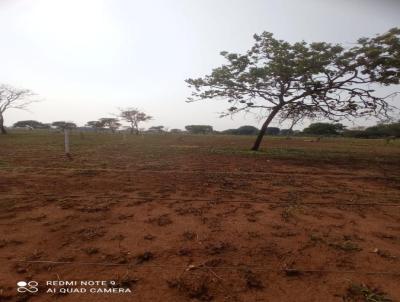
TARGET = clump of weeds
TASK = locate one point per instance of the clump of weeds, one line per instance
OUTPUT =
(364, 293)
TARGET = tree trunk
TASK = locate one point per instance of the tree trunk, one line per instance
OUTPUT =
(2, 128)
(264, 127)
(132, 127)
(135, 127)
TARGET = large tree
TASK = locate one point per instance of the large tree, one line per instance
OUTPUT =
(12, 98)
(134, 117)
(62, 125)
(243, 130)
(111, 123)
(96, 125)
(296, 80)
(324, 129)
(157, 129)
(31, 124)
(199, 129)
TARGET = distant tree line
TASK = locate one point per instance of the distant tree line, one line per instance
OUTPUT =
(131, 116)
(199, 129)
(32, 124)
(319, 129)
(324, 129)
(377, 131)
(382, 130)
(244, 130)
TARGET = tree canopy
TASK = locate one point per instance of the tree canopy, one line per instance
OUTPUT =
(31, 124)
(175, 130)
(243, 130)
(110, 122)
(156, 129)
(272, 131)
(62, 125)
(324, 129)
(13, 98)
(199, 129)
(134, 117)
(378, 131)
(96, 125)
(298, 80)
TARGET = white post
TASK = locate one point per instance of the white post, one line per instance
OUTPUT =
(66, 141)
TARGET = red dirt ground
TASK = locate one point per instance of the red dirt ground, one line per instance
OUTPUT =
(174, 220)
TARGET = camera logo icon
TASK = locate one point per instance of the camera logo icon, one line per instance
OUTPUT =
(30, 286)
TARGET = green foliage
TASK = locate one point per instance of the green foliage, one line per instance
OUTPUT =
(63, 125)
(134, 117)
(110, 123)
(250, 130)
(362, 292)
(347, 246)
(243, 130)
(384, 130)
(175, 130)
(324, 129)
(31, 124)
(377, 131)
(95, 125)
(380, 57)
(272, 131)
(286, 132)
(297, 80)
(199, 129)
(158, 129)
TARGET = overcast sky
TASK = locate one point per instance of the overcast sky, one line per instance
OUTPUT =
(87, 58)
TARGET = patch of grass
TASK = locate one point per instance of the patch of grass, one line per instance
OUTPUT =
(3, 164)
(144, 257)
(316, 238)
(7, 205)
(361, 292)
(106, 150)
(290, 212)
(347, 246)
(196, 287)
(321, 155)
(252, 280)
(231, 151)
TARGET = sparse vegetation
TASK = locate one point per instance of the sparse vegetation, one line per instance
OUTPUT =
(220, 215)
(101, 201)
(361, 292)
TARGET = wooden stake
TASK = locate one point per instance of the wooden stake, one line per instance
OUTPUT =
(66, 142)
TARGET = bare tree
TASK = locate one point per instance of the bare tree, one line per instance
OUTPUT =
(133, 116)
(12, 98)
